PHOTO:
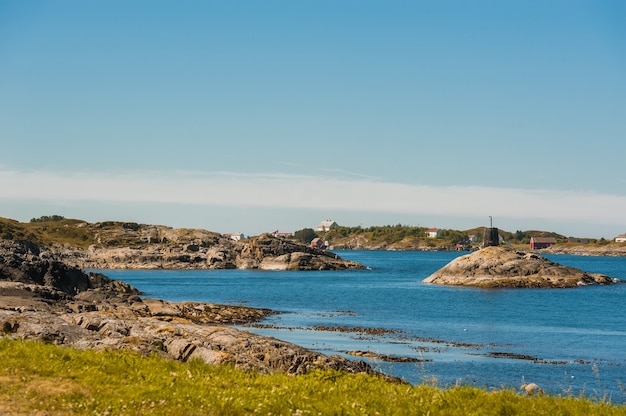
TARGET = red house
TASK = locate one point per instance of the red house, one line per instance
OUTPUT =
(318, 243)
(541, 242)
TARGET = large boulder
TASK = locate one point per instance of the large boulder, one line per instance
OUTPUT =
(502, 267)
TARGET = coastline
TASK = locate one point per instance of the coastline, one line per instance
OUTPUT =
(44, 299)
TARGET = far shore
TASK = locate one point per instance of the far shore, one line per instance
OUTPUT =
(611, 249)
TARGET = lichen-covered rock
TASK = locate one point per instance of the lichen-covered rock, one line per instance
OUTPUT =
(502, 267)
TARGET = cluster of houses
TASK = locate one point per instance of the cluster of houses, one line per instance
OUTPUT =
(324, 226)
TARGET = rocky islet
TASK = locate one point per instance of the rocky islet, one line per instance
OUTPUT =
(494, 267)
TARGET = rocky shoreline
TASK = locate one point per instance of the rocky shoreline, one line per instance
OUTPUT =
(128, 245)
(264, 252)
(609, 250)
(42, 298)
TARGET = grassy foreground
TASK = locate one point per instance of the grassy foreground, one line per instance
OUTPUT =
(37, 378)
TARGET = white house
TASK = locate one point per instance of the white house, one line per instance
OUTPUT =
(236, 236)
(620, 238)
(432, 232)
(327, 225)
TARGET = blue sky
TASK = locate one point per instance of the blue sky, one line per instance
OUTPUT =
(254, 116)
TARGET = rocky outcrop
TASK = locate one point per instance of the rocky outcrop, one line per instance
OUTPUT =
(501, 267)
(609, 249)
(164, 248)
(42, 298)
(271, 253)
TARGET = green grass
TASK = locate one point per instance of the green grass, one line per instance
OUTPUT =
(37, 378)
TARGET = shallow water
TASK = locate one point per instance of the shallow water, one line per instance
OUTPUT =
(569, 341)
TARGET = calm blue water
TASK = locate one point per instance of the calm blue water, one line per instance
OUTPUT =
(578, 336)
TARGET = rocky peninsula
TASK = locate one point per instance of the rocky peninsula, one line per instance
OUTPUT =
(501, 267)
(42, 298)
(128, 245)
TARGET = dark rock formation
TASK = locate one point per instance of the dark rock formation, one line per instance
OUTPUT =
(501, 267)
(42, 298)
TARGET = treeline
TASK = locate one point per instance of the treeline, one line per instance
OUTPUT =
(391, 234)
(48, 218)
(388, 233)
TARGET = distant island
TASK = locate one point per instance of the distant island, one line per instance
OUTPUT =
(411, 238)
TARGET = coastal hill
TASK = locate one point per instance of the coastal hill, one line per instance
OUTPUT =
(127, 245)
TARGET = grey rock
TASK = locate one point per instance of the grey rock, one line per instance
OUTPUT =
(502, 267)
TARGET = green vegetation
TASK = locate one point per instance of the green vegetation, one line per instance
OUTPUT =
(40, 378)
(57, 231)
(411, 237)
(376, 235)
(48, 218)
(54, 229)
(305, 235)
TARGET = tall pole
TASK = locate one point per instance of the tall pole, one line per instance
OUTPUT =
(490, 222)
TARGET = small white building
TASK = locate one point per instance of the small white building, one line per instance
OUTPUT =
(282, 233)
(620, 238)
(236, 236)
(327, 225)
(432, 232)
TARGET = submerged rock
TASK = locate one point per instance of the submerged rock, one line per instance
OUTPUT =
(503, 267)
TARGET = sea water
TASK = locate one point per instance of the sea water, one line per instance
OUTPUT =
(569, 341)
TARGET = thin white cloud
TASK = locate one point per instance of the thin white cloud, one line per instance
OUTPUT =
(272, 190)
(347, 173)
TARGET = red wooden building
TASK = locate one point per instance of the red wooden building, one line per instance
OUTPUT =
(541, 242)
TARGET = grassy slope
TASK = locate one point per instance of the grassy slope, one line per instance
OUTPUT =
(38, 378)
(76, 233)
